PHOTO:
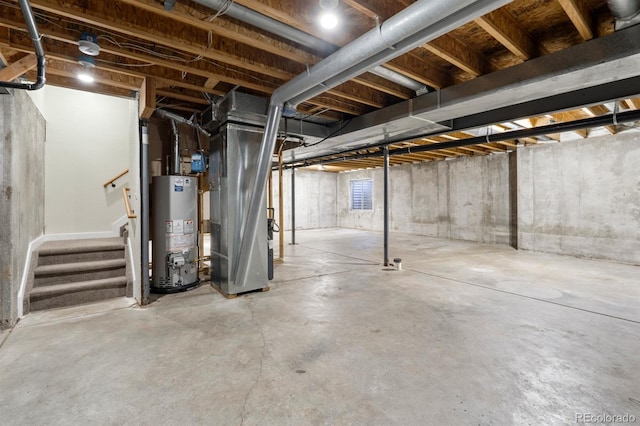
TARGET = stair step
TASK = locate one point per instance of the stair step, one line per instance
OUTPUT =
(58, 295)
(46, 275)
(54, 252)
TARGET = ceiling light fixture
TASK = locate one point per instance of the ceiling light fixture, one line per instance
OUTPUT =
(328, 20)
(88, 46)
(328, 17)
(86, 74)
(86, 77)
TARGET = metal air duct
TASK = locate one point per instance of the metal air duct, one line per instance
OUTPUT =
(273, 26)
(626, 12)
(419, 23)
(594, 72)
(415, 25)
(175, 153)
(37, 44)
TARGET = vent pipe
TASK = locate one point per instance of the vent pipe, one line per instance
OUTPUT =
(273, 26)
(626, 12)
(419, 23)
(179, 119)
(37, 44)
(175, 149)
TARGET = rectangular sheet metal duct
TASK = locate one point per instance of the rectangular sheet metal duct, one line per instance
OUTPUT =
(601, 61)
(419, 23)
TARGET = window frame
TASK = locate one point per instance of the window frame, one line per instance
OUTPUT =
(361, 204)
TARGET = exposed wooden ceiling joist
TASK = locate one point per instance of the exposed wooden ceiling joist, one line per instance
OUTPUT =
(580, 16)
(190, 56)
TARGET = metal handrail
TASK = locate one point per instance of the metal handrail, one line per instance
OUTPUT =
(125, 195)
(111, 182)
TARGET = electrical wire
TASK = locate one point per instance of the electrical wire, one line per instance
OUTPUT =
(123, 64)
(346, 123)
(223, 10)
(144, 47)
(132, 46)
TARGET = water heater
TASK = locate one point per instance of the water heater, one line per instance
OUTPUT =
(175, 234)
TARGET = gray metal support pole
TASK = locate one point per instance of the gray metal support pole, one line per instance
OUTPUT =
(144, 207)
(513, 199)
(419, 23)
(387, 206)
(293, 205)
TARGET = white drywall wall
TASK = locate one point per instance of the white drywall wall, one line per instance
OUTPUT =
(88, 140)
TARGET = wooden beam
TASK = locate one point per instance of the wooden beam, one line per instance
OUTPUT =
(386, 86)
(601, 110)
(185, 14)
(18, 68)
(147, 98)
(365, 10)
(177, 107)
(414, 68)
(74, 83)
(504, 28)
(455, 137)
(211, 83)
(626, 105)
(184, 85)
(112, 75)
(571, 116)
(258, 62)
(181, 97)
(195, 69)
(634, 102)
(109, 18)
(458, 53)
(579, 15)
(70, 69)
(543, 121)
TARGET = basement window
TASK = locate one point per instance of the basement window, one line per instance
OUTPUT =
(362, 194)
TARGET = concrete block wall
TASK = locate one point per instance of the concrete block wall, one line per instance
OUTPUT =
(22, 135)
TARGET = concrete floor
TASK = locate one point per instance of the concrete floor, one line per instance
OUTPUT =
(465, 334)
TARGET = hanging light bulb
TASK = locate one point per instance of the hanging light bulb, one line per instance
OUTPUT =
(86, 74)
(85, 77)
(328, 20)
(88, 46)
(328, 17)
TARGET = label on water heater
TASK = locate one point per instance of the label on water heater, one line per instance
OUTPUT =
(176, 242)
(178, 227)
(188, 227)
(178, 184)
(169, 224)
(187, 181)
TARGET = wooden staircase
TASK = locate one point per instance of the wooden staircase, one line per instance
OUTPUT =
(77, 271)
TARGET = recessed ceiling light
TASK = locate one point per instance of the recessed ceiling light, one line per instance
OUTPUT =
(328, 20)
(86, 77)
